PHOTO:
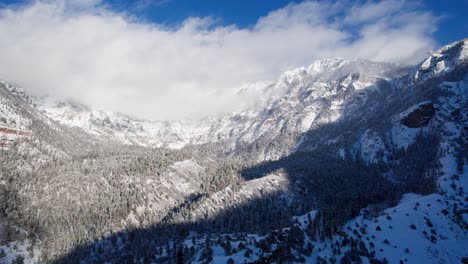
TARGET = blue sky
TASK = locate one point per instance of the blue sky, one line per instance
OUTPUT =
(173, 59)
(452, 24)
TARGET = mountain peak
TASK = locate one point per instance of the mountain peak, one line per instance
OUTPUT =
(327, 64)
(442, 61)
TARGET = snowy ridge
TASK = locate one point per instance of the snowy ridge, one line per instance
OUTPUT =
(442, 61)
(233, 196)
(296, 101)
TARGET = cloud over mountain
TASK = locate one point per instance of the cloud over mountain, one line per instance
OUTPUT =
(88, 52)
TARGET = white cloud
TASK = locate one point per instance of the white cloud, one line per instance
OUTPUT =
(83, 50)
(141, 5)
(372, 11)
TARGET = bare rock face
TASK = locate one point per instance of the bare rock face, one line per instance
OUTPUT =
(420, 116)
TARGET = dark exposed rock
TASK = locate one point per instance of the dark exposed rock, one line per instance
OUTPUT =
(419, 117)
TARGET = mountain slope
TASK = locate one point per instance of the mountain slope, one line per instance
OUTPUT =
(330, 139)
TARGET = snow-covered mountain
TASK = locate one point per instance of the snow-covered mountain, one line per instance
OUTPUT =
(300, 100)
(317, 172)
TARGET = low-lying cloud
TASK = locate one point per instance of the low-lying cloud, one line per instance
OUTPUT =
(85, 51)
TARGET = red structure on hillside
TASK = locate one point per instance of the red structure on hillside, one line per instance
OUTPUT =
(5, 130)
(7, 135)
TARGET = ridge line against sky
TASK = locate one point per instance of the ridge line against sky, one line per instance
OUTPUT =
(170, 59)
